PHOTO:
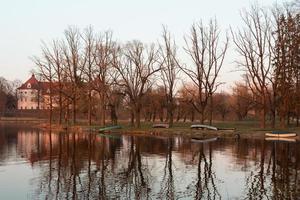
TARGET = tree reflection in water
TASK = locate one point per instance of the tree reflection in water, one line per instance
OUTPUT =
(276, 175)
(205, 186)
(167, 184)
(73, 165)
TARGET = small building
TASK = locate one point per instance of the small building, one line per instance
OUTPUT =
(33, 94)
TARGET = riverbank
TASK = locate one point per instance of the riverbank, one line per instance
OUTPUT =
(244, 129)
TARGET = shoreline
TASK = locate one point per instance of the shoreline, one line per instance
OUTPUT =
(164, 132)
(180, 129)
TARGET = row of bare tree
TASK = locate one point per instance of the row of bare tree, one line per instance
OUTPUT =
(95, 69)
(92, 72)
(269, 47)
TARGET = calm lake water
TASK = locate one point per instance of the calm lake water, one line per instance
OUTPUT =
(43, 165)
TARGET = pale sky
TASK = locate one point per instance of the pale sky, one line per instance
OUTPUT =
(24, 23)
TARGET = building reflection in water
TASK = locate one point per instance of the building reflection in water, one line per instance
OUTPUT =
(88, 166)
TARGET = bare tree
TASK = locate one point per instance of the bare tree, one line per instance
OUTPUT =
(169, 72)
(136, 66)
(207, 54)
(253, 43)
(53, 54)
(46, 72)
(74, 62)
(89, 69)
(103, 75)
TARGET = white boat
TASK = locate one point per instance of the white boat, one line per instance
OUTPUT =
(202, 126)
(199, 140)
(281, 134)
(278, 139)
(160, 126)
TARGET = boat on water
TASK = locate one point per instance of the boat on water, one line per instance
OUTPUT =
(281, 134)
(282, 139)
(109, 128)
(203, 126)
(160, 126)
(200, 140)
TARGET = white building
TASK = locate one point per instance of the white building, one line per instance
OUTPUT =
(33, 94)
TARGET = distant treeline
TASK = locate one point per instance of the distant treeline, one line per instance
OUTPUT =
(95, 74)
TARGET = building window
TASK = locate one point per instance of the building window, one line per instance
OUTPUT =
(31, 107)
(25, 107)
(21, 107)
(25, 99)
(28, 85)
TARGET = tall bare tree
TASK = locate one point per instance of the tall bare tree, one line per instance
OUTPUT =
(136, 66)
(254, 44)
(46, 72)
(204, 47)
(53, 54)
(89, 68)
(169, 71)
(104, 56)
(74, 62)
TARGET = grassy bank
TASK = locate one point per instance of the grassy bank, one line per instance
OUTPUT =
(242, 128)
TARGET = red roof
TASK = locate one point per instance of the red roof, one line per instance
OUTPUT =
(33, 83)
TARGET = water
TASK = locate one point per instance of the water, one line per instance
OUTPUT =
(43, 165)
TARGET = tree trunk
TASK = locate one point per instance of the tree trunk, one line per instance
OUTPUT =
(273, 118)
(132, 118)
(90, 108)
(60, 107)
(50, 111)
(263, 115)
(74, 109)
(171, 119)
(210, 110)
(171, 114)
(113, 115)
(103, 109)
(273, 110)
(137, 116)
(192, 116)
(178, 114)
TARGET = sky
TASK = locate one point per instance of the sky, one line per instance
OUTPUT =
(25, 23)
